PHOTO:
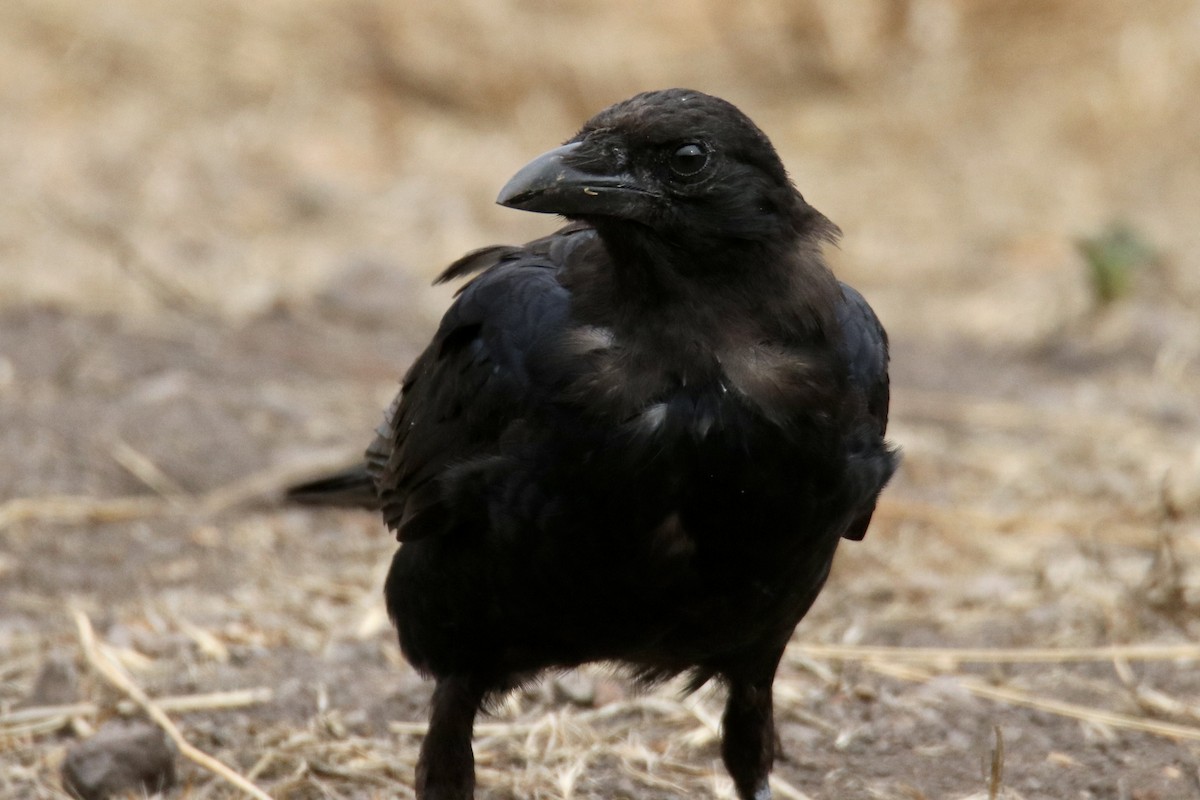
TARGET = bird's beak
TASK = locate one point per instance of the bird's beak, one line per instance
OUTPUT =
(551, 184)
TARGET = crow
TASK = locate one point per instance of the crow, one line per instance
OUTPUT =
(637, 440)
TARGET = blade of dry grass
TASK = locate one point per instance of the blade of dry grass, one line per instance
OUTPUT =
(71, 510)
(268, 482)
(897, 509)
(955, 655)
(111, 673)
(31, 722)
(76, 510)
(784, 789)
(1027, 699)
(27, 721)
(145, 470)
(996, 773)
(1009, 414)
(657, 705)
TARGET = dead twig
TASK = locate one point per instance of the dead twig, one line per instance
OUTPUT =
(111, 673)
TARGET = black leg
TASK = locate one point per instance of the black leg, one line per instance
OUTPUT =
(446, 767)
(748, 738)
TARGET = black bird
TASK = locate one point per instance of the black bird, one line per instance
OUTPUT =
(636, 440)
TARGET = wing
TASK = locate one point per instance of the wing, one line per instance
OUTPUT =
(473, 388)
(864, 347)
(865, 350)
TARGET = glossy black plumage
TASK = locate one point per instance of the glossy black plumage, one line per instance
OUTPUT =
(638, 439)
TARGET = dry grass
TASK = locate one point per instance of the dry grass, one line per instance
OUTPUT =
(108, 667)
(216, 227)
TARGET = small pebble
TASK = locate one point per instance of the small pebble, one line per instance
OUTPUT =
(120, 758)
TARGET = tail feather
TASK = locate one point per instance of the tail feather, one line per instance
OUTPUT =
(352, 487)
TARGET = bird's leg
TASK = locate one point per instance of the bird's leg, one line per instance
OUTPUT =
(748, 736)
(446, 767)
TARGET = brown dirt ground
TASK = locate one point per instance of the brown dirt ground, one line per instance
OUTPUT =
(216, 227)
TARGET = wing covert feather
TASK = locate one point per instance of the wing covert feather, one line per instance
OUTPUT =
(470, 386)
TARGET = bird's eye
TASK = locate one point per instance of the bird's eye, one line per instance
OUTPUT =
(688, 159)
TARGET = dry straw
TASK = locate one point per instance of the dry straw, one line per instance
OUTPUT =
(115, 676)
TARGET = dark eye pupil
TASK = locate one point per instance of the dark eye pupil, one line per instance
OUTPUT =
(689, 159)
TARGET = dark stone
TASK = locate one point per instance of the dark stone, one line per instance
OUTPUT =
(121, 757)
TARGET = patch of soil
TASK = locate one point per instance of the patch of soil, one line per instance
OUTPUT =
(259, 595)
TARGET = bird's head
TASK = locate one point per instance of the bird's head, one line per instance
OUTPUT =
(685, 168)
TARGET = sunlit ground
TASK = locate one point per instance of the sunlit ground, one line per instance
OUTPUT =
(217, 225)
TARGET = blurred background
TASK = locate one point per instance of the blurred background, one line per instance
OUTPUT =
(218, 222)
